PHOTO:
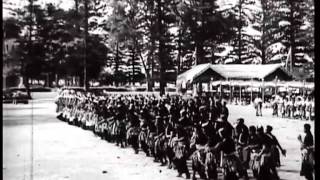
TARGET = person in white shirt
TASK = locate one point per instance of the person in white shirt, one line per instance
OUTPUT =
(258, 106)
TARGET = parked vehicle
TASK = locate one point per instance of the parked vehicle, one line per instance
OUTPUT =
(15, 95)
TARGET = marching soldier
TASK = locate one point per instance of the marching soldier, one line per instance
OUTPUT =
(266, 160)
(230, 162)
(241, 134)
(181, 152)
(164, 130)
(275, 146)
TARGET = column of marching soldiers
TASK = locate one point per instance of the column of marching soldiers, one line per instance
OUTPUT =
(172, 130)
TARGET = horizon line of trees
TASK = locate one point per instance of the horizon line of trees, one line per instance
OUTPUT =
(128, 41)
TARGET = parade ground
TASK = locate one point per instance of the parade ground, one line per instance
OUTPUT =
(36, 145)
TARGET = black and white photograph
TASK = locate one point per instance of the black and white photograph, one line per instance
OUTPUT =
(158, 89)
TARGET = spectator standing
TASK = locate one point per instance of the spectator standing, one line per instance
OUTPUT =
(307, 153)
(258, 106)
(275, 107)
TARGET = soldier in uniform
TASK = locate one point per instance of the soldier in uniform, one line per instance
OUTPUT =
(181, 152)
(241, 134)
(251, 145)
(275, 146)
(224, 110)
(184, 120)
(267, 164)
(231, 163)
(223, 123)
(160, 140)
(143, 138)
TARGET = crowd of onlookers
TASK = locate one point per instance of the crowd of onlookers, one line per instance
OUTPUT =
(289, 106)
(296, 107)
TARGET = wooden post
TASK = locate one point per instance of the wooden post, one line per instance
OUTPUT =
(304, 88)
(4, 81)
(262, 90)
(240, 93)
(47, 80)
(194, 85)
(200, 88)
(231, 91)
(220, 89)
(251, 91)
(56, 80)
(276, 87)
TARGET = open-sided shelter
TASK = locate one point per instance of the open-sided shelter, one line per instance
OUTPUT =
(205, 73)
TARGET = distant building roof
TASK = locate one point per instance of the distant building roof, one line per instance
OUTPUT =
(267, 72)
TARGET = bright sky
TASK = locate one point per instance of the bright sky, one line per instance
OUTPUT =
(13, 4)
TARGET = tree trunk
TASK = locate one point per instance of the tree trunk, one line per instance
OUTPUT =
(161, 48)
(76, 2)
(200, 52)
(81, 81)
(56, 79)
(148, 78)
(86, 44)
(152, 64)
(239, 33)
(179, 51)
(24, 69)
(150, 72)
(133, 71)
(212, 54)
(117, 65)
(263, 55)
(263, 41)
(292, 36)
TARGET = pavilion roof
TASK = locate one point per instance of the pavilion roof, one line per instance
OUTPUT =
(232, 71)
